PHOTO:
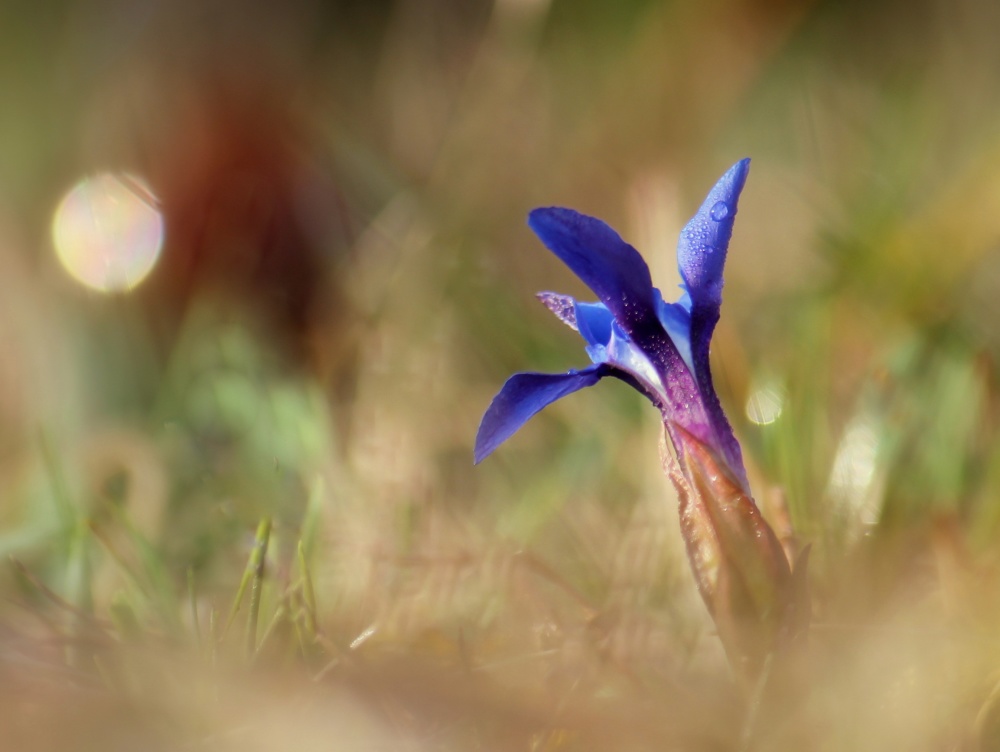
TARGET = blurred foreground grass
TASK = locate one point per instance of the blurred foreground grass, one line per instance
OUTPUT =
(347, 280)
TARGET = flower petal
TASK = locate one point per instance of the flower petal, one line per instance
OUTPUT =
(676, 319)
(594, 321)
(701, 256)
(701, 251)
(523, 396)
(563, 306)
(623, 354)
(608, 265)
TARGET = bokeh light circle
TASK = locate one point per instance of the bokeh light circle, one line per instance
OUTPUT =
(108, 232)
(764, 405)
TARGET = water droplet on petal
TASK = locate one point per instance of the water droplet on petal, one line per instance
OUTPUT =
(720, 211)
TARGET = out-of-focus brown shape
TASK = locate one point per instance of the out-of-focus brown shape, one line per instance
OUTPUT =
(254, 220)
(227, 117)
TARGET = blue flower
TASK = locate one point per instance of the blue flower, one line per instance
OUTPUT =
(760, 606)
(632, 334)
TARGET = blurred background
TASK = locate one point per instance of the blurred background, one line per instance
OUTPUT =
(263, 262)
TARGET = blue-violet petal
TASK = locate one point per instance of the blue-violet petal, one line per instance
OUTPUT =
(522, 396)
(701, 251)
(608, 265)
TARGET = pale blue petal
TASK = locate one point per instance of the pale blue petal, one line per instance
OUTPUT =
(594, 322)
(676, 319)
(626, 356)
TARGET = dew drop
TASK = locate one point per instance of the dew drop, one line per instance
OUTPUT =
(720, 211)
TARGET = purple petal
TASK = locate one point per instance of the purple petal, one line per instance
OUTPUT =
(725, 440)
(563, 306)
(521, 397)
(608, 265)
(701, 251)
(592, 320)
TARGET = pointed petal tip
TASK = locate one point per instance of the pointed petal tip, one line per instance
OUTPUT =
(731, 184)
(487, 439)
(563, 306)
(704, 241)
(479, 453)
(741, 168)
(485, 444)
